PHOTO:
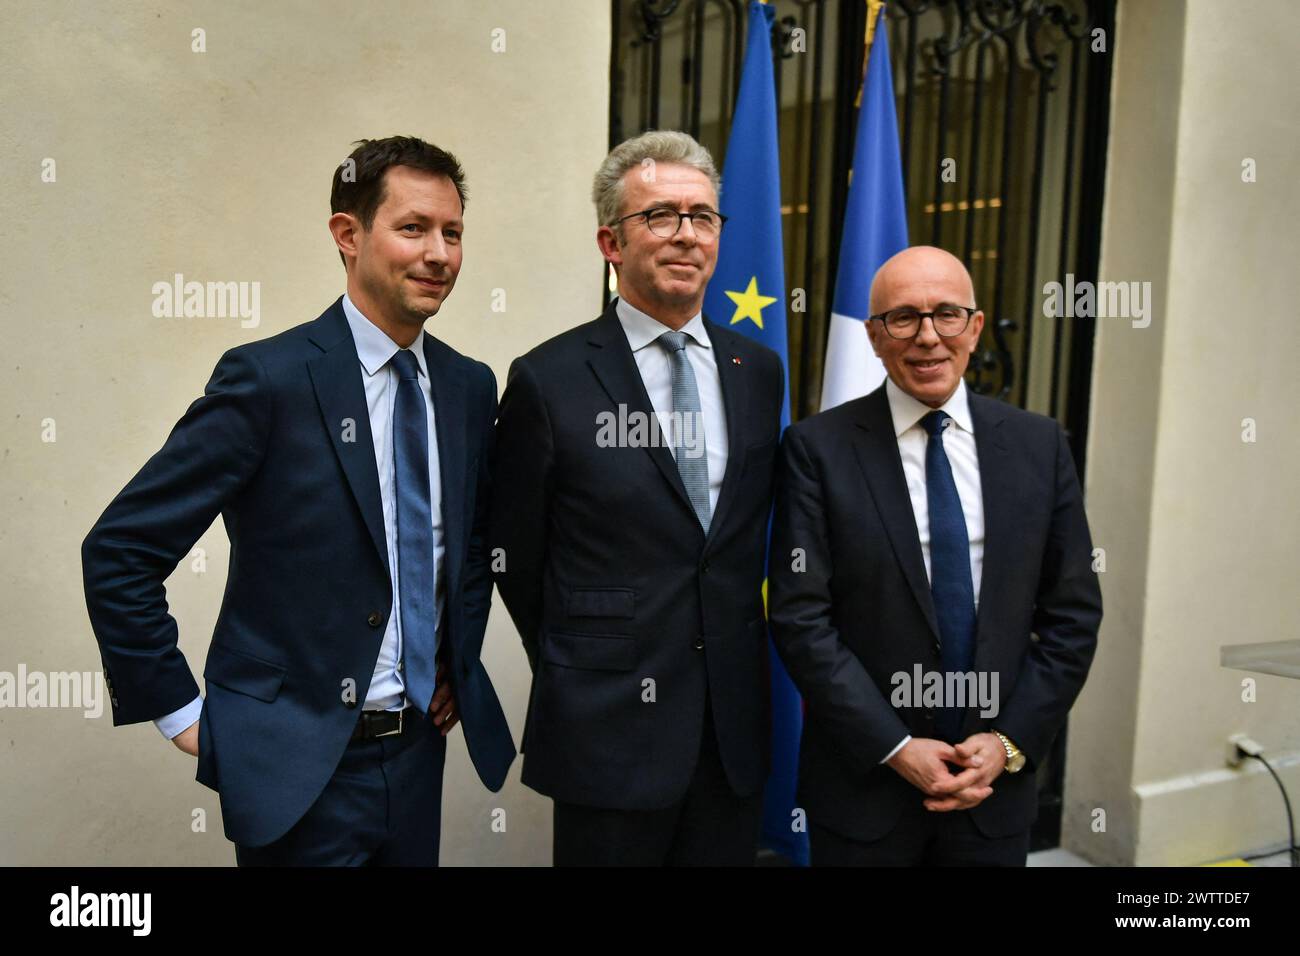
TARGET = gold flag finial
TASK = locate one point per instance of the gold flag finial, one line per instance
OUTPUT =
(873, 14)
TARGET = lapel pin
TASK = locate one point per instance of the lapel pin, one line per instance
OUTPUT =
(735, 360)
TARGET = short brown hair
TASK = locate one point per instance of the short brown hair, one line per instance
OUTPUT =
(362, 192)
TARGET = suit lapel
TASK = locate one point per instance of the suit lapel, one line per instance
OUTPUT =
(615, 368)
(336, 378)
(997, 490)
(449, 417)
(876, 448)
(735, 399)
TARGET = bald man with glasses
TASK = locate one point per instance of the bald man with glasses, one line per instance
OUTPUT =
(942, 613)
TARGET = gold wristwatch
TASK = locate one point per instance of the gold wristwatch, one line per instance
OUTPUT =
(1015, 757)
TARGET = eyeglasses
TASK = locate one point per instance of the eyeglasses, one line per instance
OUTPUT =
(949, 320)
(665, 222)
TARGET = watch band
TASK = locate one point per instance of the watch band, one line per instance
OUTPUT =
(1015, 756)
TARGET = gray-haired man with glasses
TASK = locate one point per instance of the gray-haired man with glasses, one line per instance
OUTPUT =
(635, 459)
(943, 537)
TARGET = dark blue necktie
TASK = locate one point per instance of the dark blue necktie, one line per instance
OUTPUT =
(950, 580)
(415, 568)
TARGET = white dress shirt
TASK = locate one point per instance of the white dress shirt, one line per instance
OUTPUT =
(959, 446)
(375, 350)
(656, 367)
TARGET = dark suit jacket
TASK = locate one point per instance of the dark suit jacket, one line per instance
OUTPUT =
(862, 609)
(308, 593)
(611, 581)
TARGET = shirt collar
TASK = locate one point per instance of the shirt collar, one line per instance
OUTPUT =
(907, 411)
(642, 329)
(374, 347)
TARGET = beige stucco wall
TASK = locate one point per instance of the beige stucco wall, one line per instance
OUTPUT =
(1201, 529)
(217, 165)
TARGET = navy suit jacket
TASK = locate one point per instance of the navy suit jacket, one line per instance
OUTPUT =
(280, 446)
(858, 609)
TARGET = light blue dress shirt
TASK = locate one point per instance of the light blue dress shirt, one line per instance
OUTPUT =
(375, 349)
(656, 368)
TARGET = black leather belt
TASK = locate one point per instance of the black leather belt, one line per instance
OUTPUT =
(383, 723)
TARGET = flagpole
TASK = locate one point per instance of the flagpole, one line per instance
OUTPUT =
(873, 11)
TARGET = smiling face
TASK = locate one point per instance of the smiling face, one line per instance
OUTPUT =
(927, 367)
(664, 278)
(404, 266)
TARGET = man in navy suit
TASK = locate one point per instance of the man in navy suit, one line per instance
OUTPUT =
(349, 459)
(923, 531)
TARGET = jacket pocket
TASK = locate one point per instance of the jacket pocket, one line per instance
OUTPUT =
(601, 602)
(599, 652)
(243, 673)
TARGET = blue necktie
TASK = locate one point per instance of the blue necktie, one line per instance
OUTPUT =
(950, 580)
(693, 467)
(415, 568)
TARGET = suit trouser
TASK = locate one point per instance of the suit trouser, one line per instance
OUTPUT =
(381, 807)
(709, 826)
(921, 838)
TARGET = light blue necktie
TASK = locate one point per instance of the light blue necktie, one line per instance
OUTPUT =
(415, 567)
(950, 580)
(694, 468)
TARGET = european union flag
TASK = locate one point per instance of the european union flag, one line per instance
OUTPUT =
(747, 293)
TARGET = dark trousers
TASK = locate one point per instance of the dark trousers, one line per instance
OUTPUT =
(709, 826)
(382, 807)
(921, 838)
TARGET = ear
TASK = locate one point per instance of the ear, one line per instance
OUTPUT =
(345, 228)
(610, 248)
(977, 327)
(872, 333)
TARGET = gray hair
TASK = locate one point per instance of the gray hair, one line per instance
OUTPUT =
(657, 146)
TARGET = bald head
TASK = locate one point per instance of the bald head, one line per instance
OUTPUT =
(926, 365)
(904, 273)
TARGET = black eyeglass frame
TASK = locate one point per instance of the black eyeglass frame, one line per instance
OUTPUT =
(921, 317)
(647, 213)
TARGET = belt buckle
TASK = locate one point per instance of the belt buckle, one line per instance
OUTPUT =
(389, 733)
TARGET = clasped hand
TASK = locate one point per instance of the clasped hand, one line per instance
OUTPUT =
(924, 763)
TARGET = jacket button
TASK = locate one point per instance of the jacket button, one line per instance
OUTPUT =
(699, 643)
(374, 619)
(704, 568)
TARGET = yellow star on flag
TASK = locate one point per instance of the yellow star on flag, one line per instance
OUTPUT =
(749, 304)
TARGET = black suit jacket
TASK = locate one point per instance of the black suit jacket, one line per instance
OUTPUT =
(280, 446)
(862, 611)
(611, 581)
